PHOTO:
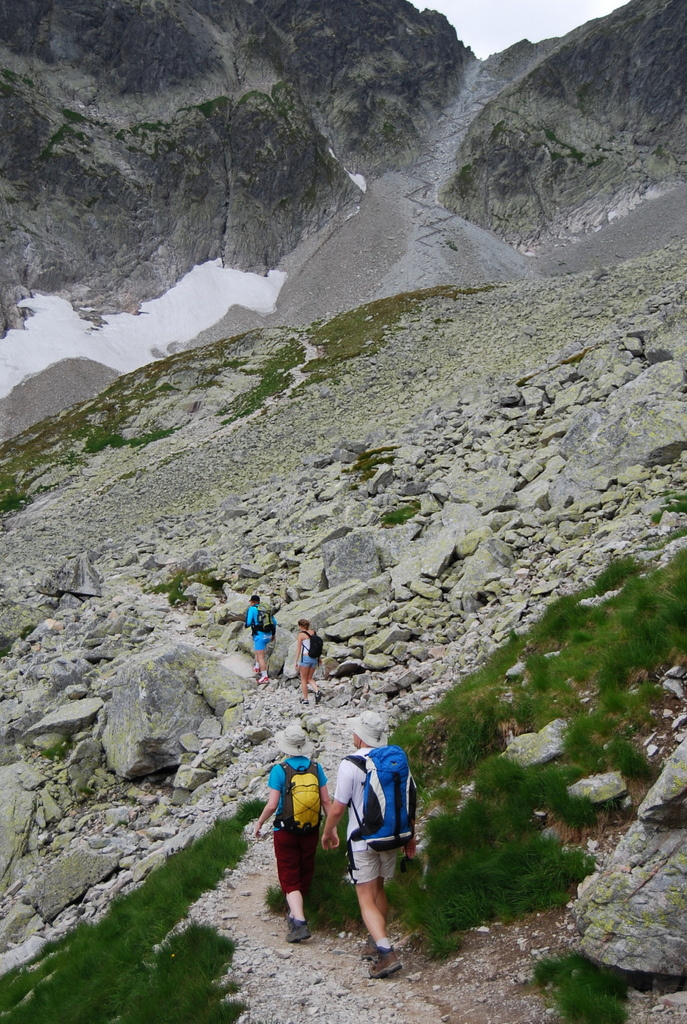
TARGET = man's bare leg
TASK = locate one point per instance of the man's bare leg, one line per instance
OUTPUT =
(373, 907)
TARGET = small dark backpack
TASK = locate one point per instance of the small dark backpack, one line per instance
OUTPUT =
(316, 645)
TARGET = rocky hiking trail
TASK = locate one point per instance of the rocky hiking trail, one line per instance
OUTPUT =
(486, 982)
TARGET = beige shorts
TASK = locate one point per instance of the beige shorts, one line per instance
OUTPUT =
(372, 864)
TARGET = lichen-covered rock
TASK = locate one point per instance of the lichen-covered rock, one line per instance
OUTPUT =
(488, 490)
(600, 789)
(67, 719)
(221, 687)
(191, 778)
(538, 747)
(383, 642)
(665, 805)
(21, 922)
(219, 754)
(634, 915)
(154, 701)
(77, 576)
(353, 557)
(358, 626)
(68, 878)
(16, 619)
(18, 783)
(311, 575)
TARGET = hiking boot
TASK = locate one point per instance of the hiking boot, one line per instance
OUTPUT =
(264, 678)
(256, 669)
(318, 696)
(369, 950)
(386, 964)
(296, 931)
(305, 701)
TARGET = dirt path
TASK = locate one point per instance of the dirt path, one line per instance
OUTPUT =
(324, 978)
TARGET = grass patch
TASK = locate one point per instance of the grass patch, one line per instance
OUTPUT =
(128, 968)
(674, 503)
(275, 376)
(583, 993)
(597, 668)
(98, 440)
(177, 584)
(398, 516)
(491, 882)
(364, 330)
(367, 463)
(58, 751)
(11, 500)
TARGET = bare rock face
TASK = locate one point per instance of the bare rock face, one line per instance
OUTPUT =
(161, 135)
(68, 879)
(634, 915)
(18, 783)
(591, 127)
(154, 702)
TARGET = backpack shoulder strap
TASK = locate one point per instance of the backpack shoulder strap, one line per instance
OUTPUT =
(358, 760)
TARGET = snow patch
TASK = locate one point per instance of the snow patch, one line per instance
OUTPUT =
(127, 341)
(358, 180)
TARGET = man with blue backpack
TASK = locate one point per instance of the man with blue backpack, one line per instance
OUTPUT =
(376, 785)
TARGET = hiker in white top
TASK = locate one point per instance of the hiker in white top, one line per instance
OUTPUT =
(305, 664)
(372, 867)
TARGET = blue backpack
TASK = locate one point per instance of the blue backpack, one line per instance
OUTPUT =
(389, 799)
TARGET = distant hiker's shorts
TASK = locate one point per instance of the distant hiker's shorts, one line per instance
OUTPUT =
(307, 661)
(372, 864)
(295, 860)
(261, 641)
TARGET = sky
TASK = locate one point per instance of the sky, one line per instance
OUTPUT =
(488, 26)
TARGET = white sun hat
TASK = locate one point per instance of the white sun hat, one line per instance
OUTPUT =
(371, 728)
(293, 741)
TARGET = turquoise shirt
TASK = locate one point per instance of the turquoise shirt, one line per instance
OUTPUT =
(277, 779)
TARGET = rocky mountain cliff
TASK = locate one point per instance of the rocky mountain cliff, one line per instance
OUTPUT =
(141, 139)
(597, 124)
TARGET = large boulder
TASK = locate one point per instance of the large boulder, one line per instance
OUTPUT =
(68, 879)
(154, 701)
(67, 719)
(353, 557)
(18, 784)
(345, 601)
(490, 490)
(431, 554)
(77, 576)
(221, 687)
(643, 423)
(633, 916)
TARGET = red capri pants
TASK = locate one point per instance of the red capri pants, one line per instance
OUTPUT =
(295, 860)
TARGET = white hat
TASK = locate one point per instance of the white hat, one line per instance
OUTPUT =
(371, 728)
(292, 740)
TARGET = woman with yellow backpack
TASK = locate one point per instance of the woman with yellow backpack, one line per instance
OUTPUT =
(298, 794)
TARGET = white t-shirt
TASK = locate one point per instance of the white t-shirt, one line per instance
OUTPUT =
(350, 782)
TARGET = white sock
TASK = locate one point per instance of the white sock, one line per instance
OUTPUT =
(384, 946)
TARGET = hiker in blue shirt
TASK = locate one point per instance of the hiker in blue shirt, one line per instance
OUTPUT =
(298, 792)
(262, 625)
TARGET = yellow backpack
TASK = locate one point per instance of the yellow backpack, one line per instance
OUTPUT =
(302, 806)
